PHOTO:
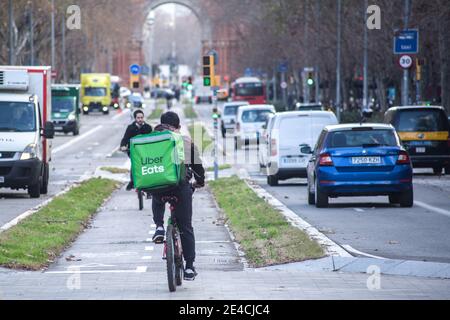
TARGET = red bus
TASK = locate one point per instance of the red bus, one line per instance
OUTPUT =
(249, 89)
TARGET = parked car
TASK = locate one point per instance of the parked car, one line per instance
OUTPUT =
(203, 95)
(250, 122)
(288, 132)
(229, 114)
(424, 131)
(359, 160)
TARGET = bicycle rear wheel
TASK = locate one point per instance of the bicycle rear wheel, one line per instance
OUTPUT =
(170, 259)
(179, 266)
(141, 200)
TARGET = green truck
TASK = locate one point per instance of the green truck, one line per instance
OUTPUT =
(66, 108)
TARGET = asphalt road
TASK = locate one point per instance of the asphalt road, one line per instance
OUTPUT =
(365, 226)
(72, 159)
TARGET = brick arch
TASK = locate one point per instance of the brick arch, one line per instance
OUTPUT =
(195, 6)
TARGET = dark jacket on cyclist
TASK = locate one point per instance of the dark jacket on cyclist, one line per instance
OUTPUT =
(183, 210)
(134, 130)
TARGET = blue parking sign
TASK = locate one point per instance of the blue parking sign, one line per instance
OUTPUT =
(406, 42)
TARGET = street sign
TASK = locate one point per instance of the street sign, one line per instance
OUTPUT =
(406, 41)
(284, 85)
(135, 69)
(283, 67)
(405, 61)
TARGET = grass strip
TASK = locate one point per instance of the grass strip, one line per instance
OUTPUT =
(190, 113)
(263, 232)
(200, 136)
(38, 240)
(221, 167)
(114, 170)
(156, 114)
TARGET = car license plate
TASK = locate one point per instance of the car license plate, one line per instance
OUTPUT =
(2, 179)
(366, 160)
(420, 150)
(296, 160)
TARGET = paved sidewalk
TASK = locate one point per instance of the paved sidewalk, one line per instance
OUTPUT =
(114, 260)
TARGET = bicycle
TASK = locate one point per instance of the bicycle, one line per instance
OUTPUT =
(173, 250)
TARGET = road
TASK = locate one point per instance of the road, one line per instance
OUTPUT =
(365, 226)
(72, 159)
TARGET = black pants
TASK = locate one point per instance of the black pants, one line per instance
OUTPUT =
(183, 215)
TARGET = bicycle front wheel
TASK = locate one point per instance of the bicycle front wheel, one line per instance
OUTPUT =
(170, 259)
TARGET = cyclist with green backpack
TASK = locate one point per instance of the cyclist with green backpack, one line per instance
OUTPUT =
(163, 164)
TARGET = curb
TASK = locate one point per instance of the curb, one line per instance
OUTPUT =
(331, 248)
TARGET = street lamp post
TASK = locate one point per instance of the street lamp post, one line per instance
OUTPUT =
(10, 31)
(405, 91)
(30, 16)
(53, 35)
(338, 71)
(366, 42)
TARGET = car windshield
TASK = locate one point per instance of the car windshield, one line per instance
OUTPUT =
(231, 110)
(255, 116)
(422, 121)
(249, 89)
(62, 105)
(361, 138)
(17, 117)
(95, 92)
(317, 107)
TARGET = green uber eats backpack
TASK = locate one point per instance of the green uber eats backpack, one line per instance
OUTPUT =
(157, 161)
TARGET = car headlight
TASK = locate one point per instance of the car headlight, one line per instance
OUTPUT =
(105, 108)
(128, 105)
(85, 108)
(29, 152)
(144, 105)
(72, 117)
(116, 105)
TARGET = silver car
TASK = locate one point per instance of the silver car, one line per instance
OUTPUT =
(229, 114)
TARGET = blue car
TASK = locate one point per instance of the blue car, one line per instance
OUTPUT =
(359, 160)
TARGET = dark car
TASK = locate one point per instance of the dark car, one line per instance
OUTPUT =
(424, 131)
(359, 160)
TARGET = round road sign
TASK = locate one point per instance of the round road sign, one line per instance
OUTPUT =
(135, 69)
(284, 85)
(405, 61)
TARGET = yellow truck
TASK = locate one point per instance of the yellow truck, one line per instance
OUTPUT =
(96, 92)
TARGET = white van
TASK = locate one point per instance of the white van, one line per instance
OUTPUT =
(25, 127)
(250, 123)
(288, 132)
(229, 116)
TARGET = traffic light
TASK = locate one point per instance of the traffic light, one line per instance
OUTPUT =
(310, 80)
(208, 71)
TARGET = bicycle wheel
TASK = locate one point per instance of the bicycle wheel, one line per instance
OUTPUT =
(170, 259)
(179, 266)
(141, 200)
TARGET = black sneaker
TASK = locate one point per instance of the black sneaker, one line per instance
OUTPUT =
(130, 186)
(158, 237)
(190, 274)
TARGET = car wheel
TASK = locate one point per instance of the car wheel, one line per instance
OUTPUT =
(407, 199)
(311, 196)
(320, 197)
(394, 199)
(447, 170)
(76, 132)
(272, 181)
(437, 170)
(35, 190)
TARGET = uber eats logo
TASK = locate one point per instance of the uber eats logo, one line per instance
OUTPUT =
(152, 166)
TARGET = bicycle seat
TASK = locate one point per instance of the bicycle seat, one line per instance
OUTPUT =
(170, 199)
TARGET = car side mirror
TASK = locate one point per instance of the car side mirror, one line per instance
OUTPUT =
(305, 149)
(49, 130)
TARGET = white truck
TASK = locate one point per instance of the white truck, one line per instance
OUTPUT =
(25, 128)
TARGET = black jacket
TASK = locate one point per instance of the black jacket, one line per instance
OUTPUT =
(194, 165)
(133, 131)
